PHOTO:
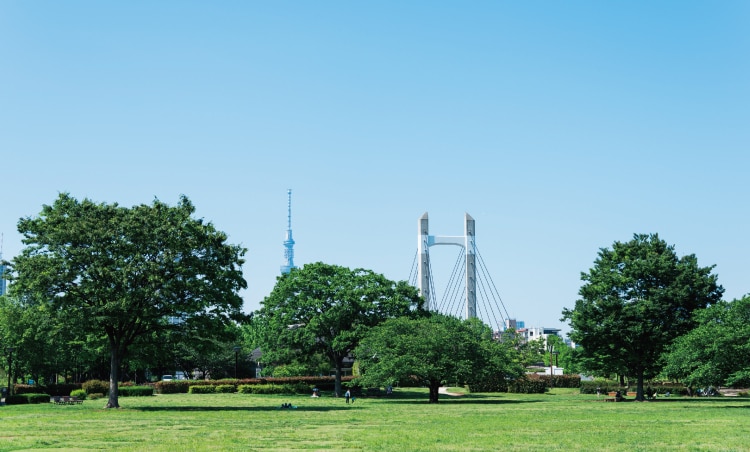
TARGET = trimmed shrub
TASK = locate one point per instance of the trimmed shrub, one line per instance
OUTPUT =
(562, 381)
(174, 386)
(136, 391)
(22, 399)
(528, 384)
(288, 389)
(80, 394)
(226, 389)
(99, 386)
(202, 389)
(492, 383)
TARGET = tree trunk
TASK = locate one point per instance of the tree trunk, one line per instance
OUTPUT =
(639, 394)
(337, 382)
(114, 376)
(434, 390)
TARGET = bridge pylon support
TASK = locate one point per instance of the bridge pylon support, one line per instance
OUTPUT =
(424, 277)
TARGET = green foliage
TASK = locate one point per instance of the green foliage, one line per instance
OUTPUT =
(80, 394)
(530, 384)
(561, 381)
(20, 399)
(717, 351)
(136, 391)
(635, 301)
(432, 349)
(491, 383)
(173, 387)
(327, 309)
(226, 389)
(98, 386)
(286, 389)
(202, 389)
(123, 273)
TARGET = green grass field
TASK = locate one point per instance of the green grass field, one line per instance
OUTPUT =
(560, 420)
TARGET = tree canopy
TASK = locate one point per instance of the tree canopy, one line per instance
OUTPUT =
(431, 349)
(717, 351)
(636, 299)
(125, 273)
(323, 308)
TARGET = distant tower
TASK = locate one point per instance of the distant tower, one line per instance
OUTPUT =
(289, 242)
(2, 268)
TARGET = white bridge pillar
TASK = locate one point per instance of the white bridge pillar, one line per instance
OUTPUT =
(466, 241)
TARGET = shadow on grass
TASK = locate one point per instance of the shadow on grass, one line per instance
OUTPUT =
(238, 408)
(407, 397)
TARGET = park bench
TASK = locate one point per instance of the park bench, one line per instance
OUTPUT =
(65, 400)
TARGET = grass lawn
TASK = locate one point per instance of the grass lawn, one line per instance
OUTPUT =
(560, 420)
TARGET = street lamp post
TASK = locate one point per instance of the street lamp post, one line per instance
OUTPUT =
(10, 351)
(236, 349)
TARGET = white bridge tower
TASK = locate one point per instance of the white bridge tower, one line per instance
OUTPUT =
(424, 278)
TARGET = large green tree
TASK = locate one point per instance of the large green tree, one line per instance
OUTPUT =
(323, 308)
(636, 299)
(432, 349)
(717, 351)
(125, 273)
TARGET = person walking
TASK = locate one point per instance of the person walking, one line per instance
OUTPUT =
(347, 395)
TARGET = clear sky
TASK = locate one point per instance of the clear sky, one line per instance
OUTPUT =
(561, 127)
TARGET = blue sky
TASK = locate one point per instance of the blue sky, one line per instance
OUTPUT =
(559, 126)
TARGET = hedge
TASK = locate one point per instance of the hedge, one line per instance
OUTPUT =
(226, 389)
(135, 391)
(528, 384)
(182, 386)
(202, 389)
(96, 386)
(287, 389)
(22, 399)
(62, 389)
(80, 394)
(561, 381)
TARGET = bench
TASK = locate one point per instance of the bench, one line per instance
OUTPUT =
(66, 400)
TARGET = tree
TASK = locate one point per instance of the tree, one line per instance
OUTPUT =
(635, 301)
(717, 351)
(129, 272)
(328, 309)
(432, 349)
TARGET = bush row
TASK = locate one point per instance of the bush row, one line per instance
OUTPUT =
(561, 381)
(25, 398)
(528, 384)
(183, 386)
(62, 389)
(135, 391)
(288, 388)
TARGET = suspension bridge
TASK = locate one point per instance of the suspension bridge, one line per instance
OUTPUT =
(470, 291)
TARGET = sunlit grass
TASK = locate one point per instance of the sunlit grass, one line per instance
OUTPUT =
(561, 420)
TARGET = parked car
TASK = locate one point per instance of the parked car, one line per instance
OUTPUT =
(166, 378)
